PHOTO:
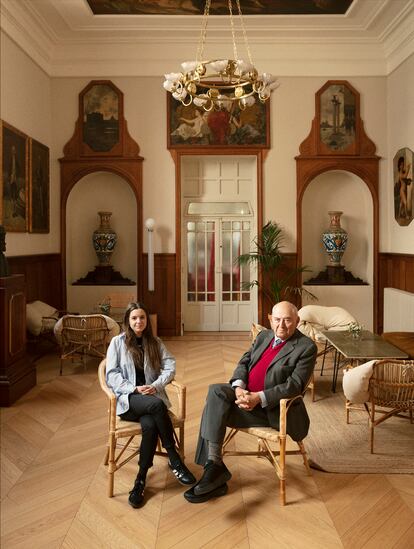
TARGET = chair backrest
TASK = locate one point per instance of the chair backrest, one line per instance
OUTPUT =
(84, 329)
(317, 318)
(392, 383)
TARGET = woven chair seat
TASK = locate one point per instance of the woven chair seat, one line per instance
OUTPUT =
(262, 432)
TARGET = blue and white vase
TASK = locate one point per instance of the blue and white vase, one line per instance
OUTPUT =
(335, 239)
(104, 239)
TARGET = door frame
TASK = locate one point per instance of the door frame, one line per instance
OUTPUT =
(177, 154)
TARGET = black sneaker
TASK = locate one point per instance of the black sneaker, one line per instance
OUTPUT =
(136, 495)
(182, 474)
(215, 475)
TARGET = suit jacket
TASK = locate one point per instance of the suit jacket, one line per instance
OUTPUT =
(286, 377)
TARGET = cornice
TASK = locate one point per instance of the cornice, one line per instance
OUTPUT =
(372, 39)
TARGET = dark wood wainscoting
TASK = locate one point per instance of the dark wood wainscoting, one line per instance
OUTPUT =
(395, 271)
(42, 275)
(162, 300)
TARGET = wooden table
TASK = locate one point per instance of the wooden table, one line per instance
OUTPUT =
(367, 347)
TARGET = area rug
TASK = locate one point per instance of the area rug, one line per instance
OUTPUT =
(335, 447)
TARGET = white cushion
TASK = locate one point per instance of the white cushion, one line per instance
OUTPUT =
(315, 319)
(355, 382)
(35, 311)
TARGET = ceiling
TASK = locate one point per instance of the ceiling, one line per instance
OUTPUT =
(217, 7)
(65, 38)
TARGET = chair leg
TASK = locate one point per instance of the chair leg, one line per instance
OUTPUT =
(282, 463)
(347, 405)
(371, 422)
(304, 457)
(106, 460)
(111, 464)
(61, 366)
(324, 355)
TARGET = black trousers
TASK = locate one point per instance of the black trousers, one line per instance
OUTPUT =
(152, 413)
(220, 412)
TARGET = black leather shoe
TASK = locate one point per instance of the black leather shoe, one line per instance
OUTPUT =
(136, 495)
(182, 474)
(217, 492)
(215, 475)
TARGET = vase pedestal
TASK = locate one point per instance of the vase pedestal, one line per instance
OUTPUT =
(104, 275)
(335, 274)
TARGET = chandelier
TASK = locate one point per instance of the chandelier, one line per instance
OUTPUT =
(215, 84)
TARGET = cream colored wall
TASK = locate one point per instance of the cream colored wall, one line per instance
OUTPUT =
(25, 104)
(400, 87)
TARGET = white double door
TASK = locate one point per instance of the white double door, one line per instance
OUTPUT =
(214, 298)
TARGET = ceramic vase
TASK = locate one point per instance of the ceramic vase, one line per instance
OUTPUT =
(104, 239)
(335, 239)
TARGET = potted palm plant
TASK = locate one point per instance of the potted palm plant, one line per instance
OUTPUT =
(279, 280)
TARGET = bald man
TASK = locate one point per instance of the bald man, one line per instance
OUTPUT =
(278, 365)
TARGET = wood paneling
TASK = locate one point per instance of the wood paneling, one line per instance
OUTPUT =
(162, 300)
(395, 271)
(42, 273)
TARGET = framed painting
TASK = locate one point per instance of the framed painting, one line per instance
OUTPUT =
(230, 126)
(100, 107)
(39, 189)
(403, 186)
(337, 106)
(14, 178)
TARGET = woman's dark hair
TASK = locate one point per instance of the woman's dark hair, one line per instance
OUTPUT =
(401, 160)
(149, 342)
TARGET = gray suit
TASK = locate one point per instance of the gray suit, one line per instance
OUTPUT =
(286, 377)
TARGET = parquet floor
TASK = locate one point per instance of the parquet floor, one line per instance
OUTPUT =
(54, 483)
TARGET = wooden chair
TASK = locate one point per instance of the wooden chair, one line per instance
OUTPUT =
(119, 429)
(83, 335)
(267, 436)
(391, 386)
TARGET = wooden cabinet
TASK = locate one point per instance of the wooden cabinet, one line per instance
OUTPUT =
(17, 371)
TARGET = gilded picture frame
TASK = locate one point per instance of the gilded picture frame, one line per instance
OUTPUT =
(14, 178)
(39, 188)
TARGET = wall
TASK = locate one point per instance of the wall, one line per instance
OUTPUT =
(400, 113)
(25, 104)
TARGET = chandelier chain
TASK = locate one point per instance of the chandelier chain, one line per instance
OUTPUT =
(203, 32)
(244, 32)
(233, 34)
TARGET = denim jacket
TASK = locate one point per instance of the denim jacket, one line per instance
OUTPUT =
(120, 372)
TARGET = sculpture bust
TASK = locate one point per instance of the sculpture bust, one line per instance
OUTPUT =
(4, 267)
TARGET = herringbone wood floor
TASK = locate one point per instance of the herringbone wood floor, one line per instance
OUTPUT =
(53, 481)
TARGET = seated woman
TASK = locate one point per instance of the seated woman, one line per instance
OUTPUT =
(138, 367)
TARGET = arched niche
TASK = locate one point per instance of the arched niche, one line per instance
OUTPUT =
(82, 157)
(358, 158)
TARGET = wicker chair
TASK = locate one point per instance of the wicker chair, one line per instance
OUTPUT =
(83, 335)
(391, 386)
(120, 429)
(265, 437)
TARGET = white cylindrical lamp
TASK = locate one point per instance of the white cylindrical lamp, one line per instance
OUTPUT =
(149, 225)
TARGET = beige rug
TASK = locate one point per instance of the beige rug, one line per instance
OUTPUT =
(335, 447)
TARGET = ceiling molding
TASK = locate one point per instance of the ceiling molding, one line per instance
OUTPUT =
(65, 39)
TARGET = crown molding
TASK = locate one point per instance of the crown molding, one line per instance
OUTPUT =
(65, 39)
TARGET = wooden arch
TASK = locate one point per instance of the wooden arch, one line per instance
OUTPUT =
(121, 157)
(358, 158)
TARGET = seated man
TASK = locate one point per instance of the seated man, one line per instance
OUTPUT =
(278, 365)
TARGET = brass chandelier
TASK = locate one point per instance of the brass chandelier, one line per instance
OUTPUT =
(215, 84)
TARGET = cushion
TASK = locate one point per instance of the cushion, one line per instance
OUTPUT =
(355, 382)
(315, 319)
(35, 311)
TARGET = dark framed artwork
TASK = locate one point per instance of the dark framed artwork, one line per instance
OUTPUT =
(228, 127)
(337, 106)
(14, 174)
(100, 107)
(39, 193)
(403, 186)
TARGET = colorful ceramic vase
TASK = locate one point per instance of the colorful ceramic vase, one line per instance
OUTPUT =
(104, 239)
(335, 239)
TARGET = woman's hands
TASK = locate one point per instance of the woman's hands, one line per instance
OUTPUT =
(145, 390)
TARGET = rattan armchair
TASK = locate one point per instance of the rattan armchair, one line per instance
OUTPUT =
(83, 335)
(119, 429)
(392, 387)
(266, 436)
